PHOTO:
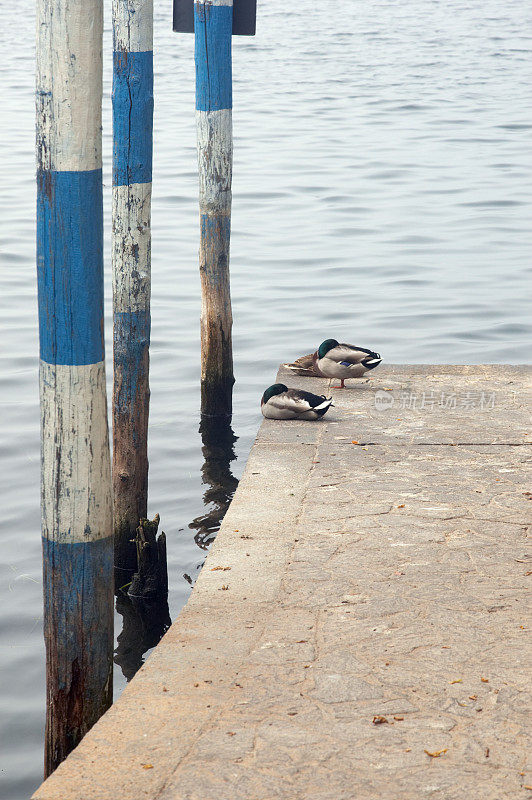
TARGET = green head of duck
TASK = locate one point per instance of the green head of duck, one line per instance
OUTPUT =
(271, 391)
(325, 346)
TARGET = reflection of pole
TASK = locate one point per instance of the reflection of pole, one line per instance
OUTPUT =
(144, 624)
(213, 23)
(132, 172)
(218, 451)
(75, 468)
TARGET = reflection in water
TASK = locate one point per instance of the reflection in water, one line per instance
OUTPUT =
(144, 624)
(145, 621)
(218, 451)
(143, 602)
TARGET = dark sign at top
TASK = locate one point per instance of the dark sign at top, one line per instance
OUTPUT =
(244, 17)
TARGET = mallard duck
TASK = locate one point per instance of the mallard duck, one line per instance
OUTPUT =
(335, 360)
(280, 402)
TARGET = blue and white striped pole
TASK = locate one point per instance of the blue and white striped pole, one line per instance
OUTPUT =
(132, 173)
(213, 26)
(75, 467)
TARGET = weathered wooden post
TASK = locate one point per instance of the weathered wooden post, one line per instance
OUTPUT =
(132, 174)
(213, 25)
(75, 465)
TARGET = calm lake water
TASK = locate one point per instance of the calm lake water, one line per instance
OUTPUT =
(381, 195)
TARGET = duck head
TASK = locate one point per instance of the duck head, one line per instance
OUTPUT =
(271, 391)
(325, 346)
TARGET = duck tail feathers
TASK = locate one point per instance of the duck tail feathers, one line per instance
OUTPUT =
(297, 369)
(324, 406)
(304, 365)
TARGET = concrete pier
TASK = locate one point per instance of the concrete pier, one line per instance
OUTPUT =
(358, 630)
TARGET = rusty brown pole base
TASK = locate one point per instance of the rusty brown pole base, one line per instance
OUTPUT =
(216, 323)
(217, 379)
(130, 480)
(217, 397)
(67, 721)
(79, 643)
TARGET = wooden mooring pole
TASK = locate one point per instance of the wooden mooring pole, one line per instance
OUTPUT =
(213, 24)
(132, 175)
(75, 466)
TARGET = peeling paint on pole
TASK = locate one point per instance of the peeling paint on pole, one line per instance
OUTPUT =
(132, 174)
(213, 24)
(75, 468)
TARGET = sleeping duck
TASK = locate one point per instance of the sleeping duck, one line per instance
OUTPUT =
(280, 402)
(335, 360)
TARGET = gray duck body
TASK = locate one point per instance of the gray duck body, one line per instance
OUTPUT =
(280, 402)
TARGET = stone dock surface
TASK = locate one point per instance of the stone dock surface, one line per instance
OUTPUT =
(359, 629)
